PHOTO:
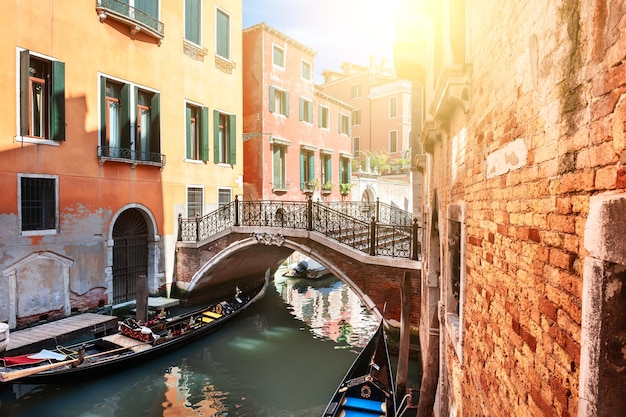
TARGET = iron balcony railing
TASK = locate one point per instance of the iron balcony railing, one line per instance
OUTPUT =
(335, 221)
(120, 10)
(107, 153)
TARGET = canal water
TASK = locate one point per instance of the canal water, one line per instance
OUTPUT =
(284, 356)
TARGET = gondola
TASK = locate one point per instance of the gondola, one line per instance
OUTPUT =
(307, 268)
(367, 389)
(133, 344)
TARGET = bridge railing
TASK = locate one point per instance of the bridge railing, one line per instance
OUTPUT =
(344, 223)
(382, 212)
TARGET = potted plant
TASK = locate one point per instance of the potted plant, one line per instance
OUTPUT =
(345, 188)
(327, 187)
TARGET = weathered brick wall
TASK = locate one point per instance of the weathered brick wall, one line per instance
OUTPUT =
(551, 74)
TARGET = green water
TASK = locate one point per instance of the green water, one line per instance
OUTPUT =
(284, 356)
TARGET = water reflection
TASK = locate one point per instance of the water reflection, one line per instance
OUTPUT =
(282, 357)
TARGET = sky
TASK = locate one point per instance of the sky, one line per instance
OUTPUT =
(339, 30)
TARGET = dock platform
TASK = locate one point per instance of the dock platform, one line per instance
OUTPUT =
(49, 335)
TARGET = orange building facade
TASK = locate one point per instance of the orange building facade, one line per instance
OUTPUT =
(296, 138)
(119, 118)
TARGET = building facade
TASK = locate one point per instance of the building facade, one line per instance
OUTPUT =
(524, 193)
(112, 129)
(296, 137)
(381, 129)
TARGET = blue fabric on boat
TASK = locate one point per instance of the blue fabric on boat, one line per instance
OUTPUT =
(357, 413)
(362, 404)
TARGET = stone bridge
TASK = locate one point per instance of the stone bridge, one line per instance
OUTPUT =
(369, 256)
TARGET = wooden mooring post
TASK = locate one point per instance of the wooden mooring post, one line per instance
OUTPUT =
(405, 337)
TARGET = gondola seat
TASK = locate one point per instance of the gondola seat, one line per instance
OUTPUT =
(359, 407)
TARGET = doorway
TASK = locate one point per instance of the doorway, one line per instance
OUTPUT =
(130, 254)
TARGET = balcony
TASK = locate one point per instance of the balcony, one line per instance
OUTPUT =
(129, 156)
(137, 20)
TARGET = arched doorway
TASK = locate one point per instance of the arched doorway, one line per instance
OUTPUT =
(130, 253)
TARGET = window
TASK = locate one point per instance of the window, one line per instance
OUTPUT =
(306, 110)
(278, 56)
(117, 138)
(193, 12)
(278, 167)
(279, 101)
(306, 71)
(42, 98)
(356, 91)
(150, 8)
(307, 170)
(455, 275)
(38, 203)
(327, 175)
(197, 133)
(222, 35)
(224, 196)
(195, 203)
(356, 145)
(344, 170)
(344, 124)
(393, 107)
(225, 145)
(393, 141)
(356, 117)
(324, 117)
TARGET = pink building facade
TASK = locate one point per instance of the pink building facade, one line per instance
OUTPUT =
(297, 139)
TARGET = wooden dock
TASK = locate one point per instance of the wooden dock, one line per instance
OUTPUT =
(49, 335)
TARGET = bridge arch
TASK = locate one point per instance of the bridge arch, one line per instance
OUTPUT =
(199, 279)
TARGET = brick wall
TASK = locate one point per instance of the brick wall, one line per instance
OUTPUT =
(550, 74)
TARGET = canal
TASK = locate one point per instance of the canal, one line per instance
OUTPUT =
(284, 356)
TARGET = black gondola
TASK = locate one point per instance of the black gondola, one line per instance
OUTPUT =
(132, 345)
(367, 389)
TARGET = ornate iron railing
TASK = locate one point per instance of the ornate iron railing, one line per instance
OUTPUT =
(383, 213)
(121, 10)
(107, 153)
(335, 221)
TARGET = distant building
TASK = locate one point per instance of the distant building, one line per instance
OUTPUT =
(296, 137)
(524, 194)
(119, 117)
(381, 129)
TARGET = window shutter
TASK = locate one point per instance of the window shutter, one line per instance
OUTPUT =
(232, 139)
(189, 137)
(286, 103)
(301, 108)
(204, 134)
(272, 99)
(103, 113)
(311, 168)
(24, 92)
(192, 20)
(341, 171)
(155, 123)
(310, 115)
(302, 179)
(329, 169)
(216, 136)
(57, 102)
(319, 116)
(126, 112)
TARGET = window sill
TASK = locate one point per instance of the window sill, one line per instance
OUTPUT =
(224, 165)
(37, 141)
(194, 161)
(224, 65)
(46, 232)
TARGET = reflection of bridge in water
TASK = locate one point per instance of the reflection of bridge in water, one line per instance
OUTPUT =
(369, 246)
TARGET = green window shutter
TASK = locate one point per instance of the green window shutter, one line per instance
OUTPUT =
(57, 102)
(272, 99)
(319, 116)
(155, 123)
(302, 179)
(286, 103)
(232, 139)
(204, 134)
(192, 21)
(310, 115)
(301, 108)
(216, 136)
(189, 136)
(311, 168)
(24, 92)
(126, 112)
(329, 169)
(222, 34)
(278, 169)
(341, 171)
(103, 112)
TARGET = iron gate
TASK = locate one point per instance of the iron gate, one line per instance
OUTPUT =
(130, 254)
